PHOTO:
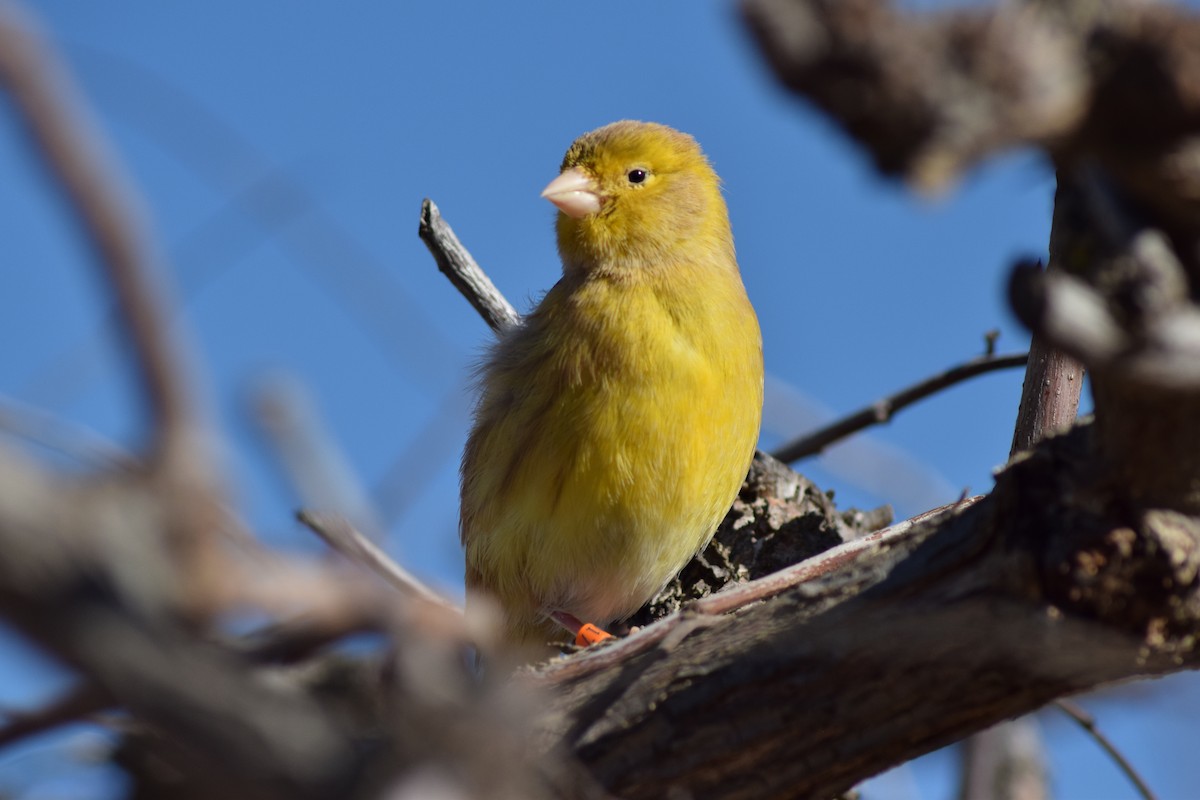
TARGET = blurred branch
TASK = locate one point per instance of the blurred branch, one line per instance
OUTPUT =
(307, 453)
(1006, 762)
(80, 701)
(320, 474)
(1075, 317)
(71, 150)
(423, 457)
(882, 410)
(217, 155)
(928, 95)
(342, 537)
(925, 95)
(102, 571)
(457, 264)
(62, 436)
(1138, 325)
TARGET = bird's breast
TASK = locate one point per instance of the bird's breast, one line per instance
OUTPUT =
(633, 423)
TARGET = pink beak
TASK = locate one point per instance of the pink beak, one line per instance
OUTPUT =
(574, 192)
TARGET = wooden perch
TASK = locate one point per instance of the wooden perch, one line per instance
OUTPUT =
(969, 619)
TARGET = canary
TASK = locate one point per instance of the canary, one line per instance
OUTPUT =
(617, 421)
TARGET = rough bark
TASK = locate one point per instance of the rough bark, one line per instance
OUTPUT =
(967, 619)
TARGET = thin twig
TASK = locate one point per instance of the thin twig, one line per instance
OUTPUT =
(294, 640)
(308, 454)
(76, 703)
(1088, 723)
(416, 466)
(457, 264)
(882, 410)
(342, 537)
(62, 436)
(71, 149)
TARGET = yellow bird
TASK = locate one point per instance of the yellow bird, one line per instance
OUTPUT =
(616, 423)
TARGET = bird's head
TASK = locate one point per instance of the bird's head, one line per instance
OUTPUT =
(633, 195)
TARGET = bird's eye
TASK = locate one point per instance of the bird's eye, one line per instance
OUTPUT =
(636, 175)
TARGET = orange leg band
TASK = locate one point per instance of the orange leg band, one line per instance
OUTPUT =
(588, 635)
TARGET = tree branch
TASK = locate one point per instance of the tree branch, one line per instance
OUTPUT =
(457, 264)
(62, 436)
(884, 409)
(342, 537)
(76, 703)
(869, 647)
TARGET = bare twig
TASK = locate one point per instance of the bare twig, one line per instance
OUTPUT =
(294, 640)
(76, 703)
(416, 466)
(59, 130)
(318, 471)
(1088, 723)
(882, 410)
(308, 454)
(342, 537)
(62, 436)
(457, 264)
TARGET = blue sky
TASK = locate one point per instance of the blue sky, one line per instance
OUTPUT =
(281, 153)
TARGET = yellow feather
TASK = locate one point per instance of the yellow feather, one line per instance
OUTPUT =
(616, 424)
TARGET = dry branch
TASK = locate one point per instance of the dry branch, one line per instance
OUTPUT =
(966, 621)
(342, 537)
(457, 264)
(885, 408)
(74, 704)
